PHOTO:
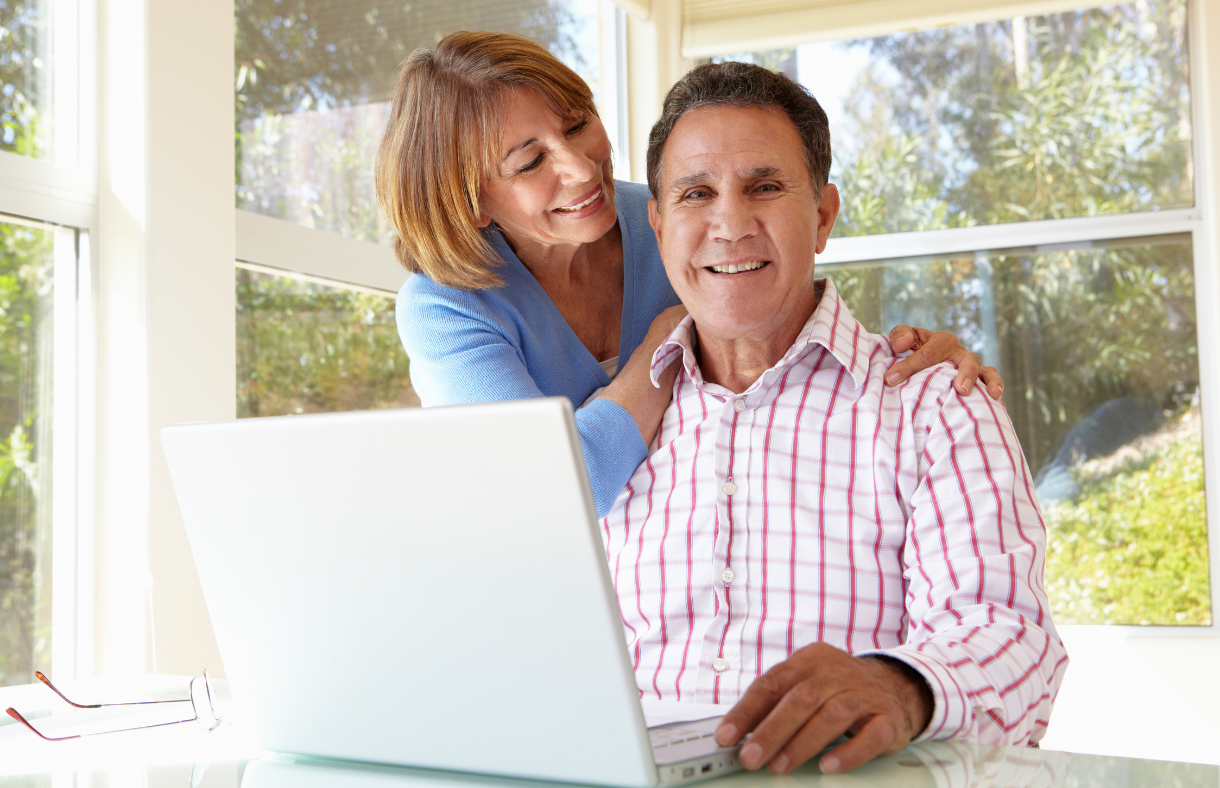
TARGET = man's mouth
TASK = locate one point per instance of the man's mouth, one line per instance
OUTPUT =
(585, 203)
(737, 268)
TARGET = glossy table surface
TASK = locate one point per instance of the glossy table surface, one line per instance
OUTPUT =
(186, 756)
(194, 759)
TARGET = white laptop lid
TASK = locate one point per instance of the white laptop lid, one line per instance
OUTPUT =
(418, 587)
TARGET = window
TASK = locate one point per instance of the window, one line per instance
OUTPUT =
(1028, 184)
(313, 79)
(313, 83)
(306, 347)
(46, 192)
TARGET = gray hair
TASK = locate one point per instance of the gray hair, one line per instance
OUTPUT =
(744, 85)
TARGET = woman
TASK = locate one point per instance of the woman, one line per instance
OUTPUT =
(541, 275)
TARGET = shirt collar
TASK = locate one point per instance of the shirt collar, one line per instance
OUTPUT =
(831, 325)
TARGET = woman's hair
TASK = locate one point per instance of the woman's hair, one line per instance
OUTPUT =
(443, 143)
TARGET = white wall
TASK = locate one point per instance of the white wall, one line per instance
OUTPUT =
(166, 320)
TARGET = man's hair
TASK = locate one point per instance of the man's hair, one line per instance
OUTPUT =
(443, 142)
(743, 85)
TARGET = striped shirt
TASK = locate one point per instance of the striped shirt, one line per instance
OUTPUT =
(822, 505)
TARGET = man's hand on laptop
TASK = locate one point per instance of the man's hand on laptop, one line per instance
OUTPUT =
(820, 693)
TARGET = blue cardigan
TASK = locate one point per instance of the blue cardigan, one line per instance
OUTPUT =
(511, 342)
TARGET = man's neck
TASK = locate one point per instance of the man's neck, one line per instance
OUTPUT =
(736, 363)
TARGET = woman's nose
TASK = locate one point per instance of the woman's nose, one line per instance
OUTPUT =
(576, 163)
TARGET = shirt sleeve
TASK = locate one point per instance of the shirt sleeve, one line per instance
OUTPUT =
(979, 628)
(460, 355)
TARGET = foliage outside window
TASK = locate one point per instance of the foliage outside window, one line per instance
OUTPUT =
(26, 262)
(25, 78)
(1083, 113)
(313, 81)
(310, 348)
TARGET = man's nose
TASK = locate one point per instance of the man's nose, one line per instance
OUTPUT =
(732, 219)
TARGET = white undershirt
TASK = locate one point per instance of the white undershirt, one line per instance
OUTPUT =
(611, 366)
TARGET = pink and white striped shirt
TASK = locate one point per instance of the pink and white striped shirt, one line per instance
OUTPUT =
(822, 505)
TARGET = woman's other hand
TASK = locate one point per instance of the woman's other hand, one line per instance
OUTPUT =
(931, 348)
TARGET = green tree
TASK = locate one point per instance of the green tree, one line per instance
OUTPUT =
(308, 348)
(1077, 114)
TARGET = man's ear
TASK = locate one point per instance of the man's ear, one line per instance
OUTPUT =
(654, 218)
(828, 209)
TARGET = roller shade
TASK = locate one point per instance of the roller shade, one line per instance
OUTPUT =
(714, 27)
(696, 11)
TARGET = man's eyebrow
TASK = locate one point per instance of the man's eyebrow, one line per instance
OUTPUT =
(518, 146)
(687, 181)
(760, 172)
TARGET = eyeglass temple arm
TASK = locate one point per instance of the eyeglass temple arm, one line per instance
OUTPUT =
(17, 716)
(39, 675)
(42, 677)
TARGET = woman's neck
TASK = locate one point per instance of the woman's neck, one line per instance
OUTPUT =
(585, 282)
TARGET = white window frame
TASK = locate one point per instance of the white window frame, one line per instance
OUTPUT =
(277, 246)
(60, 196)
(1057, 232)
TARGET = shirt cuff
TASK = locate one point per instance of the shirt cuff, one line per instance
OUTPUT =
(950, 706)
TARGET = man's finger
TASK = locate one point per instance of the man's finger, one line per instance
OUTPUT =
(761, 697)
(879, 736)
(834, 718)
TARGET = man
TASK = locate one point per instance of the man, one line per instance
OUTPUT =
(832, 555)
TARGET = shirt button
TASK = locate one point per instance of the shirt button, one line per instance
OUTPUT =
(719, 665)
(729, 488)
(739, 405)
(727, 576)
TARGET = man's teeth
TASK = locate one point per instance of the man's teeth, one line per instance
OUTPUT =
(733, 268)
(584, 204)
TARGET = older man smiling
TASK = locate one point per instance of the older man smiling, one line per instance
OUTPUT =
(832, 555)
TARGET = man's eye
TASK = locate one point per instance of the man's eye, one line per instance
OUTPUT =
(696, 194)
(768, 187)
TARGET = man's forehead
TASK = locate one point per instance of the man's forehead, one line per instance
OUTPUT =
(726, 142)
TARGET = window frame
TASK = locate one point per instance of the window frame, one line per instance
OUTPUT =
(282, 247)
(60, 195)
(1048, 233)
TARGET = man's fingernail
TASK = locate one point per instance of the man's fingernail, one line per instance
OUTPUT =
(779, 764)
(726, 734)
(891, 378)
(829, 764)
(751, 756)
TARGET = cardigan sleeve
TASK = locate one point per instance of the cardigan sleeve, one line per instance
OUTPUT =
(461, 354)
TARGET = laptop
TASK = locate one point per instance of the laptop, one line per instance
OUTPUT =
(423, 588)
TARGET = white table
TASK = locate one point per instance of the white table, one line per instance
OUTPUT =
(186, 756)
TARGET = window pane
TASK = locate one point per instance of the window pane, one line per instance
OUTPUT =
(309, 348)
(1081, 113)
(26, 269)
(1098, 352)
(313, 82)
(26, 100)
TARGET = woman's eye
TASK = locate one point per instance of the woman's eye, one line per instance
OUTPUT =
(532, 165)
(578, 127)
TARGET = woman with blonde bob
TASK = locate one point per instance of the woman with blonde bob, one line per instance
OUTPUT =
(540, 272)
